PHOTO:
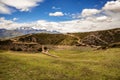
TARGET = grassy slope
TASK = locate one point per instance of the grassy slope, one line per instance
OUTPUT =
(108, 36)
(52, 39)
(74, 64)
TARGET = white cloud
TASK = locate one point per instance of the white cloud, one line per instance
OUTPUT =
(104, 18)
(85, 13)
(56, 8)
(112, 6)
(89, 12)
(4, 9)
(56, 14)
(91, 21)
(112, 9)
(81, 25)
(22, 5)
(7, 24)
(15, 19)
(75, 16)
(2, 19)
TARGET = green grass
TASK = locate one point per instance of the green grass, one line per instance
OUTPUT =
(72, 64)
(49, 39)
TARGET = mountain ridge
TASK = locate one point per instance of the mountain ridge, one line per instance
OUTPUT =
(6, 34)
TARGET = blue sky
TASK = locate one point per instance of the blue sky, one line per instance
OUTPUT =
(41, 12)
(60, 15)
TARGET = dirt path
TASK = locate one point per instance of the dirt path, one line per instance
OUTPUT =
(100, 39)
(78, 39)
(46, 52)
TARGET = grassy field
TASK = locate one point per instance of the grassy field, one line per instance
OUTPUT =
(72, 64)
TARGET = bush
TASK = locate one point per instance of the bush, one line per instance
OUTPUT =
(13, 49)
(19, 49)
(40, 49)
(16, 49)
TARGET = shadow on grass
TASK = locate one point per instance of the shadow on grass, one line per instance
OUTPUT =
(1, 51)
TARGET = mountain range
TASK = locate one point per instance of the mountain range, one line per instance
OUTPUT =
(5, 34)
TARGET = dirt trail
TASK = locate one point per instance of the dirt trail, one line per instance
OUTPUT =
(45, 51)
(48, 54)
(100, 39)
(78, 39)
(82, 44)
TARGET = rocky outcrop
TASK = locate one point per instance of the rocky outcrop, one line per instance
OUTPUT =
(102, 38)
(20, 46)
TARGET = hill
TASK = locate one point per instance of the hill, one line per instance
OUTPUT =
(100, 38)
(33, 42)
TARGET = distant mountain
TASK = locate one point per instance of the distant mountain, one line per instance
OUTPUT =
(29, 30)
(4, 33)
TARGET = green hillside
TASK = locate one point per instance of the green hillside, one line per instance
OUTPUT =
(46, 39)
(33, 42)
(103, 37)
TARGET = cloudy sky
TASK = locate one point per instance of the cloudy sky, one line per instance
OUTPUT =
(60, 15)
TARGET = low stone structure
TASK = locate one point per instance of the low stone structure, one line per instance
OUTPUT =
(20, 46)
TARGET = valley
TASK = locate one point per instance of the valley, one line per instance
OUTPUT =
(71, 56)
(59, 39)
